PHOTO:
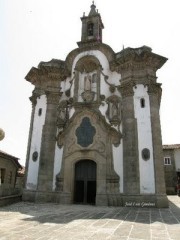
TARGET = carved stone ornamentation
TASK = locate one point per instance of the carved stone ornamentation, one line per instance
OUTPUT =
(59, 183)
(154, 88)
(60, 139)
(145, 154)
(100, 145)
(62, 114)
(33, 99)
(112, 88)
(115, 137)
(88, 96)
(53, 97)
(102, 97)
(126, 89)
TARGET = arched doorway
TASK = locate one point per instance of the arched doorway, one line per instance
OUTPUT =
(85, 182)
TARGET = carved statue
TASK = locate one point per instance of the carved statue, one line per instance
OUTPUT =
(62, 114)
(114, 110)
(59, 183)
(87, 83)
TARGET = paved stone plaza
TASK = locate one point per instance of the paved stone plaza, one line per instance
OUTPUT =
(51, 221)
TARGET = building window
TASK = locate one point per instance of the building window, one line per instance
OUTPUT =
(142, 102)
(2, 175)
(90, 29)
(167, 161)
(39, 111)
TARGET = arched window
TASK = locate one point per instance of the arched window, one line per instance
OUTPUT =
(142, 102)
(39, 111)
(90, 29)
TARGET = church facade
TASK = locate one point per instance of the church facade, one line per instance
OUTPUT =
(95, 134)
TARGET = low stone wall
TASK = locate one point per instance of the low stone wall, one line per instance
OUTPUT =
(9, 191)
(6, 200)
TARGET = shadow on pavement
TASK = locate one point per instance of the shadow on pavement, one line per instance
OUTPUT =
(62, 214)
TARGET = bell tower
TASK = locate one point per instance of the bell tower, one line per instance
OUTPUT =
(91, 27)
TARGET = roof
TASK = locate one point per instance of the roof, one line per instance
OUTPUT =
(171, 146)
(10, 157)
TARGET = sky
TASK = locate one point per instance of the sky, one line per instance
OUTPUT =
(32, 31)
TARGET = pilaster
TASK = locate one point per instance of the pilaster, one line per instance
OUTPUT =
(139, 66)
(154, 96)
(130, 145)
(45, 179)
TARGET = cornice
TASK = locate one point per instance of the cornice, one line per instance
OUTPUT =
(139, 79)
(55, 70)
(137, 59)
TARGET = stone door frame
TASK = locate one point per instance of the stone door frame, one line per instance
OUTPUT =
(69, 174)
(87, 169)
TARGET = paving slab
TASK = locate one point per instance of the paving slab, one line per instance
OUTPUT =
(37, 221)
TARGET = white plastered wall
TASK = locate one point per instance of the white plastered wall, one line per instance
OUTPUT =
(57, 164)
(118, 163)
(142, 114)
(38, 123)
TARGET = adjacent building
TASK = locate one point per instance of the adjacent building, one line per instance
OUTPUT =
(171, 166)
(95, 134)
(9, 168)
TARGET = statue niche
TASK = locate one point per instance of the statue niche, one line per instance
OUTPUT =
(114, 110)
(87, 75)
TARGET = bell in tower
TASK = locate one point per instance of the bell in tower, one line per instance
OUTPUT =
(91, 27)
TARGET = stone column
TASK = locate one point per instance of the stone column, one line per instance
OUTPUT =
(45, 178)
(154, 91)
(130, 144)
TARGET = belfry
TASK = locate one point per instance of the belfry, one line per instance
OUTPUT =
(95, 133)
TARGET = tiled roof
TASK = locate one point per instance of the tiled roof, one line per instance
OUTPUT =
(7, 154)
(171, 146)
(10, 157)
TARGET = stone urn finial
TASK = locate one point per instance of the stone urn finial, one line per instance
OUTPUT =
(2, 134)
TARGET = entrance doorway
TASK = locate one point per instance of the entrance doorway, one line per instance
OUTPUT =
(85, 182)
